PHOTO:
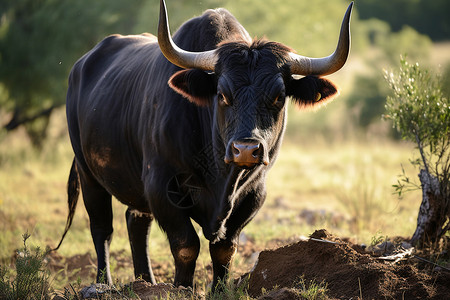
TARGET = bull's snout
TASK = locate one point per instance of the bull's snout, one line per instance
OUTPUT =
(246, 154)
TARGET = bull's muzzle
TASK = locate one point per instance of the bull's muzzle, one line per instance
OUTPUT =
(246, 154)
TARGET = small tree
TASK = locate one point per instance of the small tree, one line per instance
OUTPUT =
(421, 114)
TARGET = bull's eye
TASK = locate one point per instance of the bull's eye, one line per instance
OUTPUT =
(279, 100)
(222, 99)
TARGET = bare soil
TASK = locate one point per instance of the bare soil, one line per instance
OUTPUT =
(348, 270)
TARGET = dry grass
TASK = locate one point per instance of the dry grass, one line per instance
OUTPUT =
(344, 187)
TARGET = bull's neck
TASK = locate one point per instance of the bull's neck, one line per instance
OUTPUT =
(230, 186)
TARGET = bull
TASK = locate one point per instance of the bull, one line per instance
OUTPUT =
(183, 130)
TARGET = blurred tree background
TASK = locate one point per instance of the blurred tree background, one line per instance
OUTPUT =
(40, 40)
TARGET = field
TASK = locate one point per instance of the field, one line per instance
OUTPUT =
(332, 226)
(343, 185)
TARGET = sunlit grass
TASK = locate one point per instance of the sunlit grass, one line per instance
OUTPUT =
(344, 187)
(349, 182)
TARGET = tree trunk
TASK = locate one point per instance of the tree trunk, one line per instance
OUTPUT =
(18, 120)
(432, 213)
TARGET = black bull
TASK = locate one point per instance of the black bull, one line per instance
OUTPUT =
(205, 159)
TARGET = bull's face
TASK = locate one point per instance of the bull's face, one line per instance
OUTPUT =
(249, 83)
(248, 94)
(249, 105)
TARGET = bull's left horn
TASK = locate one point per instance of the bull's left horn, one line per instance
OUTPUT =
(302, 65)
(187, 60)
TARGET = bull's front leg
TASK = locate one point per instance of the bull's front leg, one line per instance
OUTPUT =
(222, 253)
(185, 247)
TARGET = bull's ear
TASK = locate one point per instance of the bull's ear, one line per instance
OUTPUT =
(311, 91)
(197, 86)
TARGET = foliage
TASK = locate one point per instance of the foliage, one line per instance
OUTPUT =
(378, 238)
(428, 17)
(419, 110)
(407, 40)
(39, 42)
(368, 96)
(421, 113)
(41, 39)
(31, 280)
(367, 99)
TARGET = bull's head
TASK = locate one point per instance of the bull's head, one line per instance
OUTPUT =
(247, 83)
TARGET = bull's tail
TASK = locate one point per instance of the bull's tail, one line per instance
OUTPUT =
(73, 191)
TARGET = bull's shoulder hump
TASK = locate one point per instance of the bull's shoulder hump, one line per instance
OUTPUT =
(115, 41)
(144, 37)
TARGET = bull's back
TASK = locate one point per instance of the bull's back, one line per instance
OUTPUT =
(104, 102)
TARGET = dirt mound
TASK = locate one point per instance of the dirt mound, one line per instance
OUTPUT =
(348, 273)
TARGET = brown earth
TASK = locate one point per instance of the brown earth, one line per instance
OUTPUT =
(348, 271)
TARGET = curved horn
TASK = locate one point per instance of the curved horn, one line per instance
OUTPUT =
(184, 59)
(302, 65)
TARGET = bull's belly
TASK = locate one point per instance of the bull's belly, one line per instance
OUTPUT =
(119, 179)
(130, 193)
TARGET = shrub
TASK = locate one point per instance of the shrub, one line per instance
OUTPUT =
(31, 280)
(421, 113)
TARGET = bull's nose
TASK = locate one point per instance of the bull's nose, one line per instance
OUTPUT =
(247, 154)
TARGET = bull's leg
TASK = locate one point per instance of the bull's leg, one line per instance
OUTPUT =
(98, 206)
(138, 225)
(183, 240)
(222, 253)
(185, 247)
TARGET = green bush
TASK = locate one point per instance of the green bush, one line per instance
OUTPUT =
(30, 281)
(421, 113)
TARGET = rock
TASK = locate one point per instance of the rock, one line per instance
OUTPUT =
(406, 245)
(95, 290)
(385, 248)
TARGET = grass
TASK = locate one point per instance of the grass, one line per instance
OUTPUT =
(311, 290)
(229, 290)
(352, 182)
(345, 185)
